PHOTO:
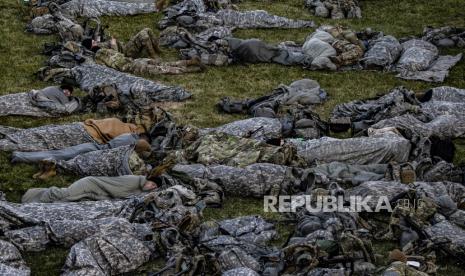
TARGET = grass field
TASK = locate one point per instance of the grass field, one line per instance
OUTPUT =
(20, 58)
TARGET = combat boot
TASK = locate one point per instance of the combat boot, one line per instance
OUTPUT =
(407, 174)
(193, 61)
(162, 4)
(49, 170)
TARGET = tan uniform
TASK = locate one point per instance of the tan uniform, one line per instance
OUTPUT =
(105, 130)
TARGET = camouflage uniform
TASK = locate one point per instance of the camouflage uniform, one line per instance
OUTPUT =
(20, 104)
(98, 8)
(258, 128)
(443, 126)
(291, 104)
(348, 53)
(241, 241)
(142, 66)
(376, 189)
(105, 242)
(71, 152)
(46, 138)
(11, 261)
(382, 53)
(336, 9)
(445, 36)
(194, 15)
(401, 268)
(209, 45)
(143, 92)
(255, 180)
(445, 93)
(57, 22)
(224, 149)
(420, 60)
(14, 216)
(380, 148)
(107, 253)
(152, 67)
(363, 113)
(144, 43)
(110, 162)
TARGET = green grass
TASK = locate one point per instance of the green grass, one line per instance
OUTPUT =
(20, 58)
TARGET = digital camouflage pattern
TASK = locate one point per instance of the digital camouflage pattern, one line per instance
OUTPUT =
(98, 8)
(14, 215)
(143, 66)
(445, 36)
(382, 53)
(251, 20)
(107, 253)
(194, 15)
(420, 61)
(439, 108)
(444, 126)
(258, 128)
(142, 91)
(446, 94)
(63, 232)
(380, 148)
(11, 261)
(20, 104)
(376, 189)
(47, 137)
(401, 268)
(291, 104)
(335, 9)
(363, 113)
(56, 23)
(348, 174)
(108, 162)
(224, 149)
(256, 180)
(209, 45)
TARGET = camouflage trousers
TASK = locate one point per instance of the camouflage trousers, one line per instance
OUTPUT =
(143, 43)
(46, 138)
(109, 162)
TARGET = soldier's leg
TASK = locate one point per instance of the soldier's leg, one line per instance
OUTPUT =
(170, 69)
(143, 40)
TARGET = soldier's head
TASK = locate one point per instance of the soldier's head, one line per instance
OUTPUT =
(142, 148)
(67, 86)
(149, 185)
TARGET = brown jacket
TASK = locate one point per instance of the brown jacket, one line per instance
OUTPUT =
(106, 129)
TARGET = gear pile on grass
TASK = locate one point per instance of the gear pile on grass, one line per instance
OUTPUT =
(146, 180)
